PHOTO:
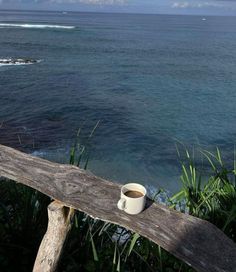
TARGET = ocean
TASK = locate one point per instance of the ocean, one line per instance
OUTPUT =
(153, 81)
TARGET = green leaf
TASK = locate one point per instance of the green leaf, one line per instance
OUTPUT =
(72, 155)
(133, 241)
(114, 256)
(160, 258)
(95, 255)
(187, 154)
(118, 264)
(177, 196)
(86, 163)
(206, 154)
(95, 127)
(219, 156)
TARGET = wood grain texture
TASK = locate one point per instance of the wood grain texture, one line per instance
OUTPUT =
(59, 225)
(195, 241)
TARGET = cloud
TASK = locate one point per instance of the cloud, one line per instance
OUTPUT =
(187, 4)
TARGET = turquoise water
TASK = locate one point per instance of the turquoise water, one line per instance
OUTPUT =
(151, 80)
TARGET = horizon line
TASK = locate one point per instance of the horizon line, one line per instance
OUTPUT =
(113, 12)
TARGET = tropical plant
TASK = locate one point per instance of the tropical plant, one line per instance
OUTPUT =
(212, 199)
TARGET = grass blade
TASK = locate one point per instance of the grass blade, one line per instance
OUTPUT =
(133, 241)
(95, 255)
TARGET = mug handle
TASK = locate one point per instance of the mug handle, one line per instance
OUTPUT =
(121, 204)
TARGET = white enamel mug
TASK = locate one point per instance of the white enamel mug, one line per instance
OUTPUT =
(132, 205)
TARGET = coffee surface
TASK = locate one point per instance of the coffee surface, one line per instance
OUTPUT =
(133, 194)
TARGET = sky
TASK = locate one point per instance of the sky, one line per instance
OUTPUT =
(198, 7)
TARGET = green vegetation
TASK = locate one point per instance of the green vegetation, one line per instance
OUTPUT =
(23, 222)
(213, 199)
(97, 246)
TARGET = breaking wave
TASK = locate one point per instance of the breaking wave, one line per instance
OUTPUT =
(2, 25)
(10, 61)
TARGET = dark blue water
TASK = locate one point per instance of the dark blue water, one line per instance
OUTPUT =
(150, 79)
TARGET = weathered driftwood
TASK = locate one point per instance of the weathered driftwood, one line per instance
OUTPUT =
(59, 224)
(197, 242)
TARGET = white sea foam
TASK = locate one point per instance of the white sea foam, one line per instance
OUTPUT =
(9, 62)
(39, 153)
(2, 25)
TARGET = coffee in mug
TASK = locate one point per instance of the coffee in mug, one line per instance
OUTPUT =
(133, 194)
(133, 198)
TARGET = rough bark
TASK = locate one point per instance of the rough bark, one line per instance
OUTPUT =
(195, 241)
(59, 224)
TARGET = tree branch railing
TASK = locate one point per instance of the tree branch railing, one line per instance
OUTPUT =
(197, 242)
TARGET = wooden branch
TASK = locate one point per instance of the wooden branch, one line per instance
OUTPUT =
(59, 224)
(195, 241)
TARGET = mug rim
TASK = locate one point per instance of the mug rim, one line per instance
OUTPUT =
(144, 191)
